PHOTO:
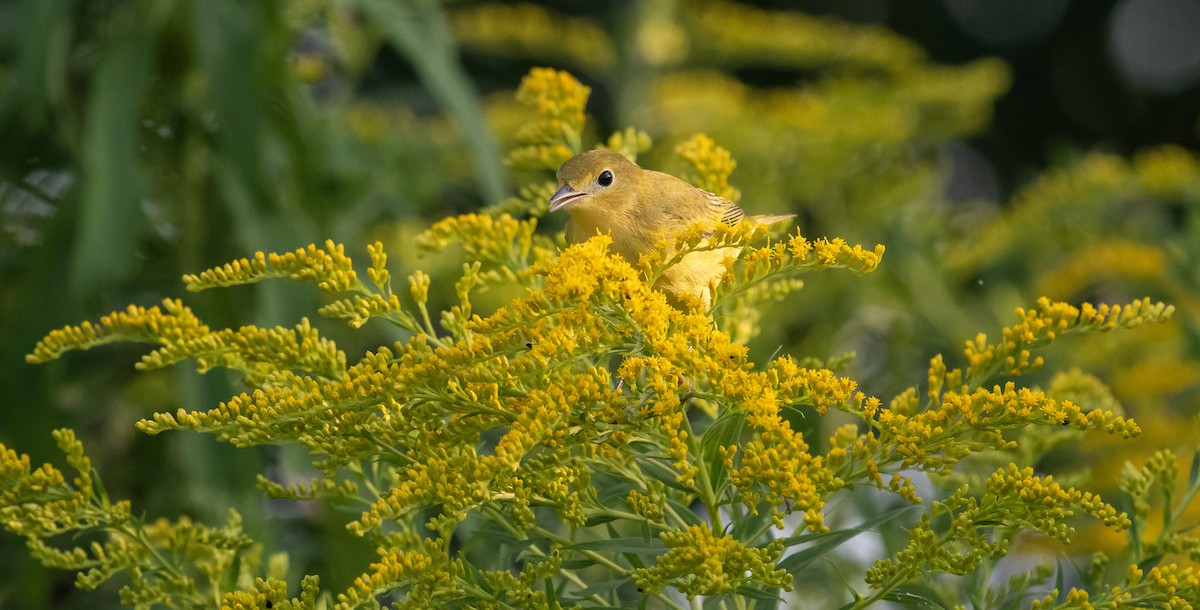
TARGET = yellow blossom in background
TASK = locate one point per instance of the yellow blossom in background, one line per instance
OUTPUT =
(734, 31)
(1085, 195)
(1100, 262)
(528, 30)
(1168, 171)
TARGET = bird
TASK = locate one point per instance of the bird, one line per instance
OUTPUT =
(604, 192)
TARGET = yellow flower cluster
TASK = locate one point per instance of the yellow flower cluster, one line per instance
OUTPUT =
(1045, 505)
(255, 352)
(831, 129)
(1011, 356)
(1170, 536)
(1168, 171)
(592, 302)
(685, 354)
(751, 270)
(426, 573)
(1160, 468)
(922, 437)
(961, 423)
(272, 593)
(174, 323)
(961, 418)
(699, 563)
(1013, 497)
(330, 268)
(778, 468)
(770, 263)
(958, 552)
(559, 100)
(818, 388)
(711, 166)
(508, 246)
(1083, 389)
(358, 309)
(535, 372)
(648, 505)
(169, 564)
(526, 589)
(314, 489)
(40, 503)
(1170, 586)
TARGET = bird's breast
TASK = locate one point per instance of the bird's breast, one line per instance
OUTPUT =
(628, 239)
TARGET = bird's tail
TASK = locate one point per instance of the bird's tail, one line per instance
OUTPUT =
(770, 219)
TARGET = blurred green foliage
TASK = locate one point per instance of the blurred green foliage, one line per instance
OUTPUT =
(147, 139)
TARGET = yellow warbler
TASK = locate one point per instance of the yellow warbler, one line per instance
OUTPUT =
(603, 192)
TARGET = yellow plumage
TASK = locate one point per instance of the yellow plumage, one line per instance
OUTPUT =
(603, 192)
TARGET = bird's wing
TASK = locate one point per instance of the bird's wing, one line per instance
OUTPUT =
(725, 210)
(729, 213)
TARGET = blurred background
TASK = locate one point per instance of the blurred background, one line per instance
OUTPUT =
(1001, 152)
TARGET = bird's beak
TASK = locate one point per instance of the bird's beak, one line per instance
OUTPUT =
(563, 197)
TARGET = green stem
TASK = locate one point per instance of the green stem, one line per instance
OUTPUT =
(704, 488)
(620, 514)
(638, 478)
(568, 574)
(1181, 506)
(674, 515)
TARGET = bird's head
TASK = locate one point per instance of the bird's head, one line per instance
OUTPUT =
(595, 181)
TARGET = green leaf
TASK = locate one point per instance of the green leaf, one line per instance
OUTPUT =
(632, 558)
(725, 431)
(916, 596)
(577, 564)
(473, 575)
(109, 218)
(767, 604)
(1133, 534)
(419, 31)
(520, 548)
(689, 517)
(656, 466)
(759, 594)
(1059, 585)
(648, 546)
(601, 588)
(803, 558)
(749, 524)
(825, 542)
(1150, 562)
(599, 520)
(869, 525)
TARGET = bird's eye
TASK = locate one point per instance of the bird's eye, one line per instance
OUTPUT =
(605, 178)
